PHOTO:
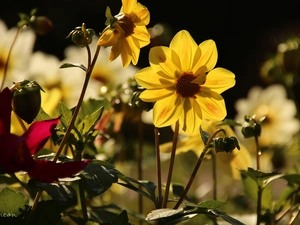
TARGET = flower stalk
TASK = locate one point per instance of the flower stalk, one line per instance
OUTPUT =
(197, 166)
(171, 165)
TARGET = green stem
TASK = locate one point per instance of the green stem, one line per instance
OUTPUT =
(158, 165)
(214, 174)
(80, 100)
(8, 58)
(171, 165)
(259, 187)
(258, 153)
(197, 166)
(140, 162)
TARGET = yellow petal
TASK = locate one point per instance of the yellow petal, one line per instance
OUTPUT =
(190, 121)
(134, 50)
(142, 35)
(167, 111)
(153, 95)
(108, 38)
(212, 105)
(209, 56)
(142, 13)
(148, 79)
(115, 51)
(164, 61)
(185, 47)
(128, 5)
(219, 80)
(126, 54)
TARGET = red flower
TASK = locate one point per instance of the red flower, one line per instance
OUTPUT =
(16, 151)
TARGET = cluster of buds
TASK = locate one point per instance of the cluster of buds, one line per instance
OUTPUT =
(252, 127)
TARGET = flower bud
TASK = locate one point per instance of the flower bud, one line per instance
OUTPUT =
(26, 100)
(41, 24)
(251, 131)
(226, 144)
(78, 37)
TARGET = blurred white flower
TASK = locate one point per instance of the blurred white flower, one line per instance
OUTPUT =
(44, 68)
(280, 124)
(109, 75)
(20, 54)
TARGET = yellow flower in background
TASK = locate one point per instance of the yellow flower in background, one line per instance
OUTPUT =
(183, 83)
(126, 32)
(230, 163)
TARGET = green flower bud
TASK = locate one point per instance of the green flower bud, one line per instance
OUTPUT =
(41, 24)
(78, 37)
(226, 144)
(26, 100)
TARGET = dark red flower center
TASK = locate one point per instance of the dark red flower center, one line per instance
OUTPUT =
(126, 24)
(185, 87)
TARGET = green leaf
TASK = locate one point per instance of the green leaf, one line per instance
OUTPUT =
(65, 195)
(229, 122)
(89, 122)
(292, 179)
(99, 177)
(42, 115)
(251, 190)
(66, 114)
(212, 204)
(227, 218)
(162, 213)
(68, 65)
(12, 202)
(122, 219)
(259, 177)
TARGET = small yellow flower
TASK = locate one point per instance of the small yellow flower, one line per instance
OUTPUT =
(126, 32)
(183, 84)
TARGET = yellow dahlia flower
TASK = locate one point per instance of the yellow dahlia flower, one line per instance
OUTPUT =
(126, 32)
(183, 83)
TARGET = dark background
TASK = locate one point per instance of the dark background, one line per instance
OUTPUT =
(246, 32)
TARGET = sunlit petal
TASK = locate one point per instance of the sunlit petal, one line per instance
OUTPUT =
(128, 5)
(212, 105)
(164, 61)
(142, 13)
(219, 80)
(185, 51)
(153, 95)
(209, 55)
(167, 111)
(190, 121)
(151, 80)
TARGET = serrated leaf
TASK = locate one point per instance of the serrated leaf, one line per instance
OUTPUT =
(69, 65)
(66, 114)
(89, 122)
(12, 202)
